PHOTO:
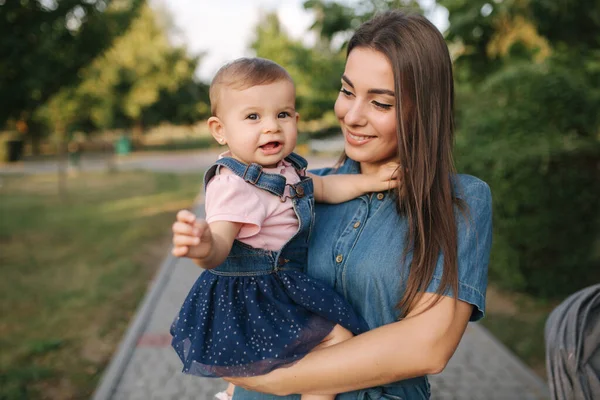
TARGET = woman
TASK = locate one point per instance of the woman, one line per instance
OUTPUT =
(383, 252)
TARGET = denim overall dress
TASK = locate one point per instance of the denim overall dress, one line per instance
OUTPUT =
(258, 310)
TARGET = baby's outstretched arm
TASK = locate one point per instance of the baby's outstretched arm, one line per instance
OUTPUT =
(339, 188)
(207, 244)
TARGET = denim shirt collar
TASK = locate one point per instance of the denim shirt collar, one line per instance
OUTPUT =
(349, 166)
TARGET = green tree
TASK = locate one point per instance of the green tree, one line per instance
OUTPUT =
(46, 43)
(333, 18)
(123, 87)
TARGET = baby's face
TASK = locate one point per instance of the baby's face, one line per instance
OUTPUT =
(260, 123)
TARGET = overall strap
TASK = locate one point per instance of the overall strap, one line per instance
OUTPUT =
(297, 161)
(253, 174)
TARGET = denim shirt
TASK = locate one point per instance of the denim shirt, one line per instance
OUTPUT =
(356, 247)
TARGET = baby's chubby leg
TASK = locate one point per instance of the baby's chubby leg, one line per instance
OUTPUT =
(337, 335)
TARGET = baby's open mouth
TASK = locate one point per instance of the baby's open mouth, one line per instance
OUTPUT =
(271, 146)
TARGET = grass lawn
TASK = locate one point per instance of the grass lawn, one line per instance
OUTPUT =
(74, 271)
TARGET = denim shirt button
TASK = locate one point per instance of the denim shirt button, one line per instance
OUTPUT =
(356, 224)
(380, 196)
(339, 258)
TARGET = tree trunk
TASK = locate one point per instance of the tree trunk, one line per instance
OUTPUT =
(137, 137)
(62, 161)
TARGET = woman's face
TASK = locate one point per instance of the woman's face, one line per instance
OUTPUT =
(365, 109)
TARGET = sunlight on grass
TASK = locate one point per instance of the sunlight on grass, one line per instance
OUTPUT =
(74, 271)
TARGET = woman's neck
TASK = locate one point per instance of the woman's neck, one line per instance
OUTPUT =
(368, 168)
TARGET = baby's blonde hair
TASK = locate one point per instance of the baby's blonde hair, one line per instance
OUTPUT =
(243, 73)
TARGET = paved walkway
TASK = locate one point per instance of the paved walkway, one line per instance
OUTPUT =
(145, 367)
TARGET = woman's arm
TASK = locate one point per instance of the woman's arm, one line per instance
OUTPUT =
(418, 345)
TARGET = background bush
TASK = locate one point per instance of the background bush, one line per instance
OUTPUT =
(531, 132)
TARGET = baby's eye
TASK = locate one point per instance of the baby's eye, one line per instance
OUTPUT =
(383, 106)
(284, 114)
(346, 91)
(253, 116)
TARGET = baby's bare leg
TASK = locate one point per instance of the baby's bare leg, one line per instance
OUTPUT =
(337, 335)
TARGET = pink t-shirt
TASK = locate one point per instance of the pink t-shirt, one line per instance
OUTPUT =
(268, 223)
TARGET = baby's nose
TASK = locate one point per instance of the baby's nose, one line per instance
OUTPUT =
(271, 126)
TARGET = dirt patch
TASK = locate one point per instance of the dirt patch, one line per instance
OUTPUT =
(62, 390)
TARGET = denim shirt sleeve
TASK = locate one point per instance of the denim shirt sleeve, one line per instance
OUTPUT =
(474, 229)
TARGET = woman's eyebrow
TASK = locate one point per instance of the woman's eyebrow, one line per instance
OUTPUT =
(373, 91)
(348, 81)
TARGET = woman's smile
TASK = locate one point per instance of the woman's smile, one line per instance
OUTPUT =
(357, 139)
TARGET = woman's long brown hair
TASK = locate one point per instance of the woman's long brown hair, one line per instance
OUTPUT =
(423, 81)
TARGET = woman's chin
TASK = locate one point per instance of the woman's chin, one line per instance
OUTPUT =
(356, 154)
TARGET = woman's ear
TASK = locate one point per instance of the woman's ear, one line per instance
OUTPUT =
(297, 117)
(217, 129)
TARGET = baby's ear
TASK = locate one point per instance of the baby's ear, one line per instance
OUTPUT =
(297, 117)
(216, 128)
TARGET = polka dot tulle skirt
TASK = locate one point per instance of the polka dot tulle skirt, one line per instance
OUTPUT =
(250, 325)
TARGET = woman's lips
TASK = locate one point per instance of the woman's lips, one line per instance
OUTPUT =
(357, 139)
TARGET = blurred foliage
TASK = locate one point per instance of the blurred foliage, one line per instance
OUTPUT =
(139, 81)
(45, 43)
(541, 159)
(333, 19)
(528, 124)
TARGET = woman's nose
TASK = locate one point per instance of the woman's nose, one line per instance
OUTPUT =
(355, 114)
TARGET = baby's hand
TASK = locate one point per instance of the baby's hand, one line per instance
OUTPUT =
(387, 177)
(191, 237)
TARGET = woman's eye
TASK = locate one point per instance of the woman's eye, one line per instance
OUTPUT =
(252, 116)
(284, 114)
(346, 91)
(383, 106)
